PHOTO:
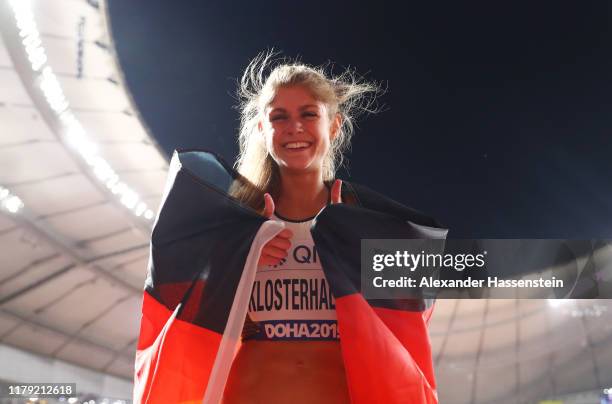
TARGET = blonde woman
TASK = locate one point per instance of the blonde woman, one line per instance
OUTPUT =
(219, 249)
(295, 125)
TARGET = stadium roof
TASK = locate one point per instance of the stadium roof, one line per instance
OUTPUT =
(81, 179)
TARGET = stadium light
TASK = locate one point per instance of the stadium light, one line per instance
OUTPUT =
(74, 134)
(558, 302)
(9, 201)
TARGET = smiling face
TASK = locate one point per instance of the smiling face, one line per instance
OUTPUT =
(298, 130)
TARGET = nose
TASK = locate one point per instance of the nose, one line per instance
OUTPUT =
(294, 126)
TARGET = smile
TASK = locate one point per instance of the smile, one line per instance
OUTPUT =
(297, 145)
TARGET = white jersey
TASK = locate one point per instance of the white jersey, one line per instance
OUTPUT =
(292, 300)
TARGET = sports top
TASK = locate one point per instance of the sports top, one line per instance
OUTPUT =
(292, 300)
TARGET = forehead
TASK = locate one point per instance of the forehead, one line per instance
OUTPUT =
(293, 97)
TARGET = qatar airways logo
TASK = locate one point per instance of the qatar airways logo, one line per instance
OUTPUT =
(302, 254)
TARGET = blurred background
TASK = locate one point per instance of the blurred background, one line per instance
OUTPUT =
(496, 121)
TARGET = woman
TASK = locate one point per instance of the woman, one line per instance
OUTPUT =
(215, 258)
(295, 125)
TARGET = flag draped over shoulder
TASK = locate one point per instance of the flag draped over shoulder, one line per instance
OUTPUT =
(385, 343)
(204, 252)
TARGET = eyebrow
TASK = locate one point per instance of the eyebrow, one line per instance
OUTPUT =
(302, 108)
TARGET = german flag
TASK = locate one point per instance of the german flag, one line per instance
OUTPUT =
(204, 252)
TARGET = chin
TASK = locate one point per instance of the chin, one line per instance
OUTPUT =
(295, 166)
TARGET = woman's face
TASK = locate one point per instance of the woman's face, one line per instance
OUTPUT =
(298, 130)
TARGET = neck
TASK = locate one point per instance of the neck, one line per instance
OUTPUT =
(301, 194)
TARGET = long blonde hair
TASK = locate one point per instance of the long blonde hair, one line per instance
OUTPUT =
(346, 94)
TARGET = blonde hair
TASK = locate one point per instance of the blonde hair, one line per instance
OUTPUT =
(346, 94)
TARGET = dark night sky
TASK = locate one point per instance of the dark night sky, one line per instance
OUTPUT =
(497, 117)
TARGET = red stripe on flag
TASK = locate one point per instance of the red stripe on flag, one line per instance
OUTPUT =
(410, 328)
(173, 364)
(379, 368)
(172, 294)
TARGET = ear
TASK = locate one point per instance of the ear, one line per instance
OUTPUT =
(260, 126)
(335, 125)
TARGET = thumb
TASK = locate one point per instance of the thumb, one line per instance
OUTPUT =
(269, 208)
(336, 192)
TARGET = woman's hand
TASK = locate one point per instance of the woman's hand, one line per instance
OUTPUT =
(276, 249)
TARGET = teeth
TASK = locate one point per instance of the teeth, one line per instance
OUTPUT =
(296, 145)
